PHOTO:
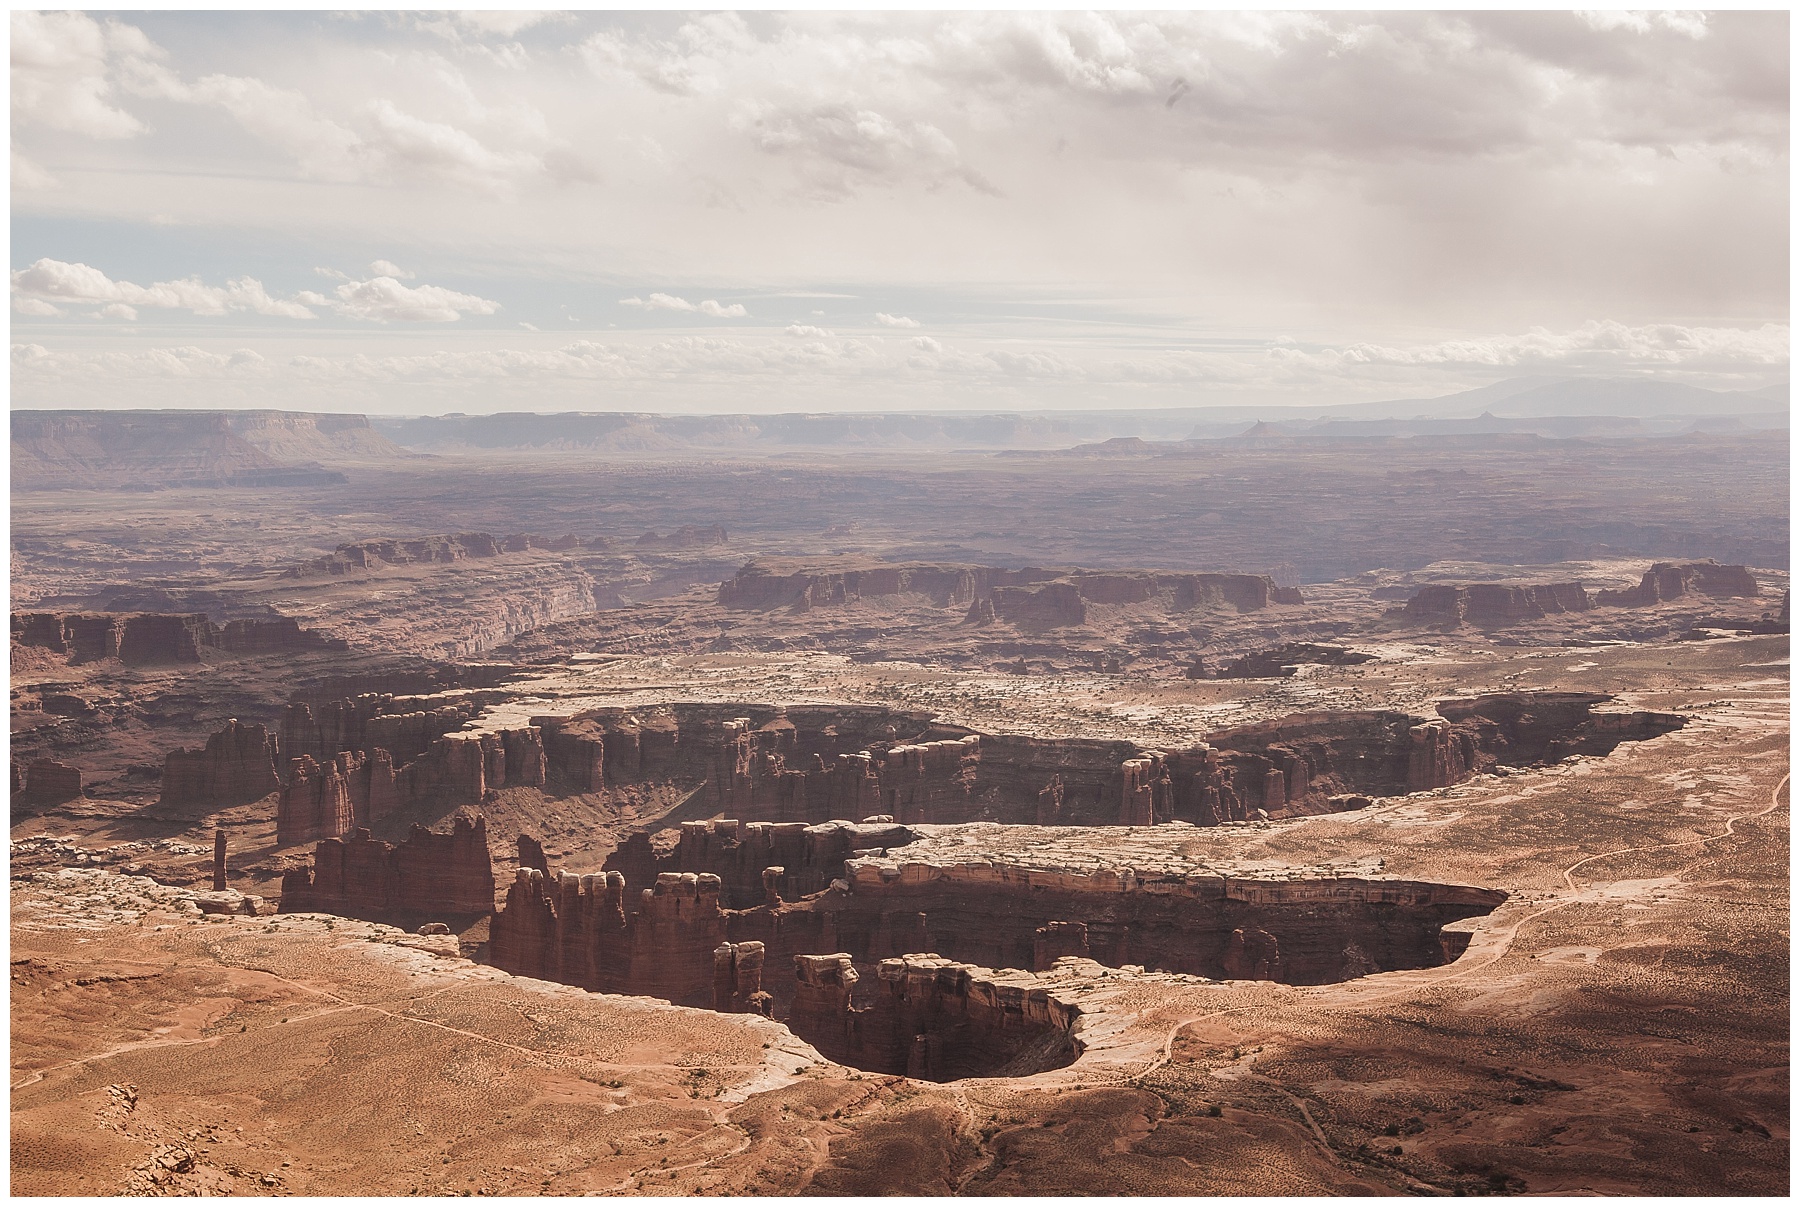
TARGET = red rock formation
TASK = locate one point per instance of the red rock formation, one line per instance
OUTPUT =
(1493, 603)
(804, 859)
(374, 555)
(47, 782)
(143, 638)
(271, 636)
(932, 1018)
(218, 861)
(371, 719)
(531, 854)
(331, 799)
(576, 929)
(236, 766)
(429, 877)
(1672, 580)
(813, 764)
(737, 979)
(991, 914)
(1051, 605)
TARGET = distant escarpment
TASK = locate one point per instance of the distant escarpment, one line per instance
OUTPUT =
(1672, 580)
(1493, 603)
(1030, 597)
(54, 450)
(140, 638)
(441, 549)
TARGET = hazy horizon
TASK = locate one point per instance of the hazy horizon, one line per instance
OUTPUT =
(780, 213)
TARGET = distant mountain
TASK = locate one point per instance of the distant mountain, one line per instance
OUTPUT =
(1565, 396)
(150, 450)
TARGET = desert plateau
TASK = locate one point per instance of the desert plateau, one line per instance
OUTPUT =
(849, 604)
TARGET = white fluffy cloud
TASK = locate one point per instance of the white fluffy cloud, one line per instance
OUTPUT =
(1594, 344)
(38, 288)
(665, 301)
(47, 281)
(385, 300)
(64, 72)
(895, 320)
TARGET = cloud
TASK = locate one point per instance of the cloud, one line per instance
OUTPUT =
(387, 268)
(1691, 24)
(806, 331)
(385, 300)
(80, 283)
(895, 320)
(63, 66)
(118, 310)
(1596, 343)
(664, 301)
(36, 307)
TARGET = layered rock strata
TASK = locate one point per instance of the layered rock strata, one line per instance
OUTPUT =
(45, 782)
(583, 930)
(1493, 603)
(818, 763)
(1672, 580)
(931, 1018)
(759, 859)
(326, 798)
(151, 638)
(235, 767)
(429, 877)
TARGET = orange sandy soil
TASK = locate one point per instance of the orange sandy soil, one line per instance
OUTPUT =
(1618, 1026)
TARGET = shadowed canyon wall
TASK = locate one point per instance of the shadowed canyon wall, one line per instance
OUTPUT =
(427, 878)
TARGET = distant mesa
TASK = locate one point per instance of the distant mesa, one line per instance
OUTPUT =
(450, 547)
(45, 782)
(150, 638)
(1672, 580)
(1031, 597)
(155, 450)
(1492, 604)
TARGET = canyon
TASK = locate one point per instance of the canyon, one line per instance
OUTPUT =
(1213, 816)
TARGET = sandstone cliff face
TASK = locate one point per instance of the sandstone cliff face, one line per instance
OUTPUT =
(578, 930)
(741, 855)
(1303, 930)
(236, 766)
(811, 765)
(56, 450)
(1672, 580)
(1494, 603)
(931, 1018)
(46, 782)
(1049, 606)
(328, 797)
(151, 638)
(428, 877)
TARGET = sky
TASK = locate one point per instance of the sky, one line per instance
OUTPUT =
(421, 213)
